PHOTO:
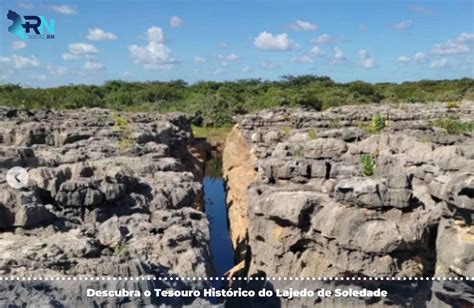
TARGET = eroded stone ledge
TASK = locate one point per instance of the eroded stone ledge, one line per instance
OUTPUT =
(312, 212)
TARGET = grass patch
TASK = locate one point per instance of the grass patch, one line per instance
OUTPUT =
(376, 125)
(452, 104)
(102, 120)
(212, 134)
(335, 123)
(312, 134)
(214, 168)
(286, 132)
(454, 126)
(298, 151)
(120, 248)
(122, 127)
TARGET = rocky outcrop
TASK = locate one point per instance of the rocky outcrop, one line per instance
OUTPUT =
(358, 191)
(239, 172)
(115, 195)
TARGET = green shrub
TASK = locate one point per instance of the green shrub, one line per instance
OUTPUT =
(219, 102)
(424, 139)
(122, 127)
(102, 120)
(377, 124)
(286, 132)
(452, 104)
(454, 126)
(120, 248)
(298, 151)
(215, 135)
(335, 123)
(367, 164)
(312, 134)
(362, 88)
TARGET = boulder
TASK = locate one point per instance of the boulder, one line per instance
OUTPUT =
(33, 215)
(454, 249)
(111, 233)
(324, 148)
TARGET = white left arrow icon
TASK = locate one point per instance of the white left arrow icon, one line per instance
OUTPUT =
(17, 177)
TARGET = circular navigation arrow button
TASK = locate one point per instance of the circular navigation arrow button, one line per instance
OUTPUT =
(17, 177)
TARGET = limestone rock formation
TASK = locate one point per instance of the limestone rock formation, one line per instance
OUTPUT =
(115, 195)
(364, 191)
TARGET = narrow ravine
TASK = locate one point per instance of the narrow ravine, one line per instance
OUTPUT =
(216, 211)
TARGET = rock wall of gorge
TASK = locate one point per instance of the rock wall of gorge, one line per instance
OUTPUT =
(115, 195)
(368, 191)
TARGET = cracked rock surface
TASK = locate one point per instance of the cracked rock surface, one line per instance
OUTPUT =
(311, 211)
(103, 199)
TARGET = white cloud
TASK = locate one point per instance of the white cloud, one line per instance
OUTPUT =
(97, 34)
(269, 66)
(246, 69)
(338, 56)
(159, 67)
(230, 57)
(64, 9)
(39, 77)
(420, 9)
(20, 62)
(199, 59)
(278, 42)
(316, 51)
(25, 5)
(464, 38)
(362, 27)
(57, 70)
(402, 25)
(304, 26)
(420, 57)
(439, 63)
(462, 44)
(326, 39)
(404, 59)
(4, 59)
(449, 48)
(80, 50)
(217, 71)
(176, 21)
(90, 66)
(366, 60)
(302, 59)
(155, 34)
(18, 45)
(155, 55)
(69, 56)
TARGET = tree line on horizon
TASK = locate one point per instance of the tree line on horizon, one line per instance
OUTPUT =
(215, 103)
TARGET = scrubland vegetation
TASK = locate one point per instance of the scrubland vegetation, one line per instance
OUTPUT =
(214, 103)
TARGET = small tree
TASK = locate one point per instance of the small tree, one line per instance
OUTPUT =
(368, 165)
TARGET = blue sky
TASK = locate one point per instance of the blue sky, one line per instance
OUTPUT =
(375, 41)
